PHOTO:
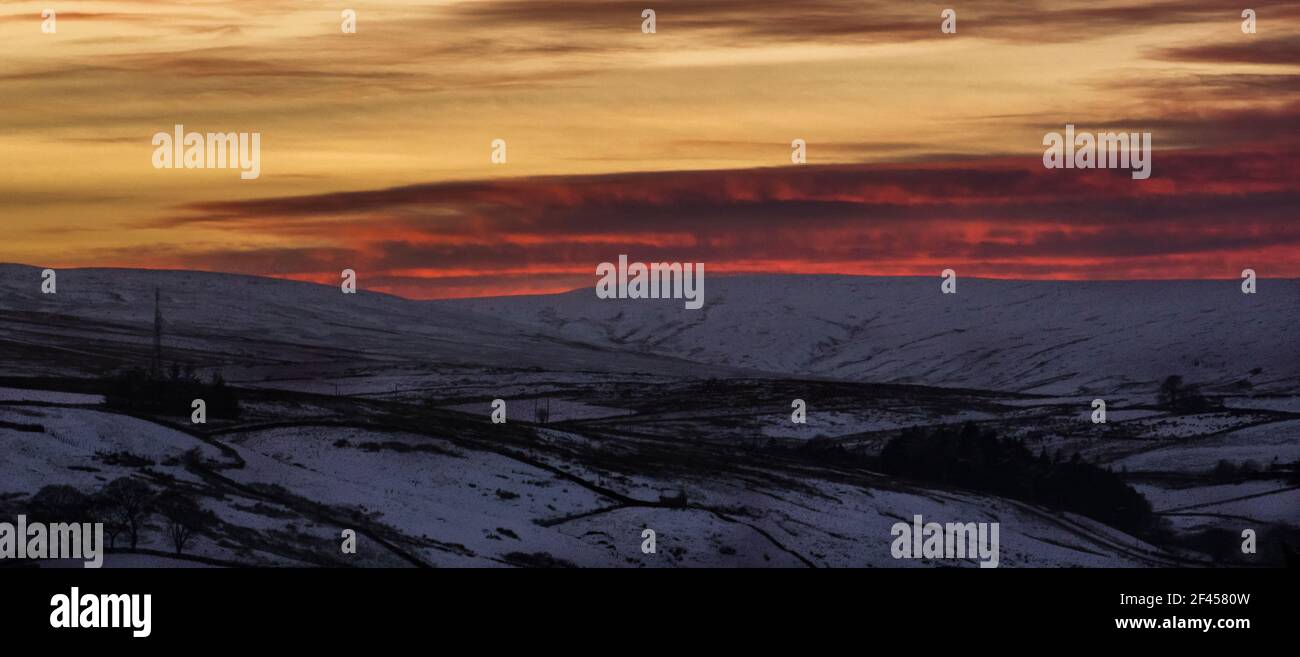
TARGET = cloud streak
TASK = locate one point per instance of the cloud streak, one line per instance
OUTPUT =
(1209, 214)
(923, 147)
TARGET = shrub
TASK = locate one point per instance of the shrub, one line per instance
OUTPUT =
(59, 503)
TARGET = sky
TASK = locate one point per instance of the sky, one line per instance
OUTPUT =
(924, 149)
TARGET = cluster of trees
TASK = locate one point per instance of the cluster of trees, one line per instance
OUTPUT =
(126, 506)
(1229, 471)
(1182, 397)
(973, 458)
(1226, 470)
(170, 392)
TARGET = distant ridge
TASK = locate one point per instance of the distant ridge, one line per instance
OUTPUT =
(1049, 337)
(101, 319)
(1046, 337)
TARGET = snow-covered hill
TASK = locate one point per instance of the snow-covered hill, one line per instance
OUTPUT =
(1050, 337)
(103, 318)
(280, 495)
(371, 411)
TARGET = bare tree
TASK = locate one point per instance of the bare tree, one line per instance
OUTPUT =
(185, 518)
(129, 503)
(101, 511)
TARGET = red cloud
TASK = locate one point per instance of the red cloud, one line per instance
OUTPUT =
(1203, 214)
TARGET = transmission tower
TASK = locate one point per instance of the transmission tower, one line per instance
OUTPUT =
(157, 334)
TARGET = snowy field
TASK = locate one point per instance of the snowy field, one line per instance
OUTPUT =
(456, 506)
(23, 395)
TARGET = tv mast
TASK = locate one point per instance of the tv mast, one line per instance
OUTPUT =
(157, 333)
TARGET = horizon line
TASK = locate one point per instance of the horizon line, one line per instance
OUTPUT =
(725, 274)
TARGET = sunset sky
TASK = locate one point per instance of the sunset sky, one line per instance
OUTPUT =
(924, 149)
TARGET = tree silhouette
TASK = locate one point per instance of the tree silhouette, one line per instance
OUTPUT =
(1178, 396)
(129, 502)
(975, 459)
(185, 518)
(59, 503)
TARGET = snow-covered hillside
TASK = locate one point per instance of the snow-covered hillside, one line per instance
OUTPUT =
(372, 412)
(1050, 337)
(257, 325)
(281, 496)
